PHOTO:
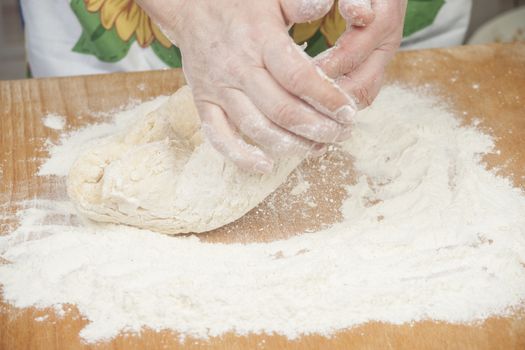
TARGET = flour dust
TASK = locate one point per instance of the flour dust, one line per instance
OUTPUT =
(427, 234)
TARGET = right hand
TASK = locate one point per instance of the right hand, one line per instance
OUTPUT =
(248, 77)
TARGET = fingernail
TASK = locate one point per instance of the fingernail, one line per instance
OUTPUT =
(318, 150)
(345, 114)
(264, 166)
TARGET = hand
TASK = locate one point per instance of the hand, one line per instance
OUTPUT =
(360, 55)
(248, 77)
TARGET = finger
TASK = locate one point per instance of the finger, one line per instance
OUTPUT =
(227, 141)
(269, 136)
(345, 134)
(357, 43)
(350, 50)
(356, 12)
(287, 111)
(365, 83)
(301, 11)
(299, 75)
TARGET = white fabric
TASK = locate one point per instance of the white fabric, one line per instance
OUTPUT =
(448, 29)
(52, 30)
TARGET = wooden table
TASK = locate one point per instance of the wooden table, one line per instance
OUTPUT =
(486, 81)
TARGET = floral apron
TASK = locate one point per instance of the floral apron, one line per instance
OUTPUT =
(96, 36)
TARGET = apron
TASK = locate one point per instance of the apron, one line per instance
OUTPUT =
(74, 37)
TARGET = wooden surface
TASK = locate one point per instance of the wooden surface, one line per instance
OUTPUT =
(483, 82)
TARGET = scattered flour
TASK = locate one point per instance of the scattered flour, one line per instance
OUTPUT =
(301, 187)
(427, 233)
(72, 144)
(41, 318)
(54, 121)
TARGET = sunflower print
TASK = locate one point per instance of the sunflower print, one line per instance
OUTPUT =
(127, 18)
(331, 26)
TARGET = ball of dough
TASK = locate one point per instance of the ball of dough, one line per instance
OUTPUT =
(162, 175)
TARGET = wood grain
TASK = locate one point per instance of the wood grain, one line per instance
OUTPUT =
(482, 82)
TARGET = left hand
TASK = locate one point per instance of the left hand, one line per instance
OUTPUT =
(359, 58)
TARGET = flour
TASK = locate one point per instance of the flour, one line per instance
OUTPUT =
(72, 144)
(427, 233)
(54, 121)
(313, 8)
(301, 187)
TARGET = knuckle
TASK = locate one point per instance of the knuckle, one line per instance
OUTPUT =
(391, 26)
(284, 114)
(364, 97)
(347, 64)
(237, 70)
(324, 131)
(390, 47)
(319, 130)
(297, 12)
(296, 79)
(288, 145)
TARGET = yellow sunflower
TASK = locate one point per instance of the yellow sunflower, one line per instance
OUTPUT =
(128, 19)
(332, 25)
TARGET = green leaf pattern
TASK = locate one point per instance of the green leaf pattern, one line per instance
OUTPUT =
(420, 14)
(95, 39)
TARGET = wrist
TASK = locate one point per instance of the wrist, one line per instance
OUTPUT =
(168, 15)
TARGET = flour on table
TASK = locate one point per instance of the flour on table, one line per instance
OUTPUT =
(72, 144)
(427, 233)
(301, 187)
(41, 318)
(54, 121)
(162, 175)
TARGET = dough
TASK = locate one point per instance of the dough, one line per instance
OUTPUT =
(162, 175)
